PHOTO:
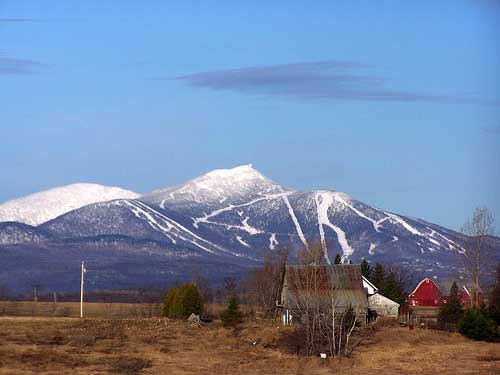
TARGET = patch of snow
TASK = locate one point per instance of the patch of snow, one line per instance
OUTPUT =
(240, 240)
(407, 226)
(372, 247)
(205, 219)
(248, 228)
(345, 200)
(295, 221)
(323, 202)
(273, 242)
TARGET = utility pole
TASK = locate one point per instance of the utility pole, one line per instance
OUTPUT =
(81, 290)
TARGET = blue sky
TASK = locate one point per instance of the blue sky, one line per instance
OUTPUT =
(396, 104)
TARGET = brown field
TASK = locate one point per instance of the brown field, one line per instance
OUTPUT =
(95, 309)
(40, 345)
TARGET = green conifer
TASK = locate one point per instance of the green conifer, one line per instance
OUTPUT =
(232, 316)
(366, 270)
(338, 259)
(452, 311)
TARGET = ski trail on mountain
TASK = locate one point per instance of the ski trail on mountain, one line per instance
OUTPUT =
(137, 210)
(172, 224)
(204, 219)
(150, 220)
(295, 221)
(323, 202)
(339, 199)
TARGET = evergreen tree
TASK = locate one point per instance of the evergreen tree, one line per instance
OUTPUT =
(478, 326)
(392, 289)
(366, 270)
(494, 308)
(452, 311)
(338, 259)
(183, 301)
(378, 276)
(232, 316)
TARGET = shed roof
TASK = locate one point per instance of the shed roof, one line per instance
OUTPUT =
(340, 276)
(345, 280)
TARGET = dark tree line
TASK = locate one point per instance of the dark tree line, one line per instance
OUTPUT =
(392, 281)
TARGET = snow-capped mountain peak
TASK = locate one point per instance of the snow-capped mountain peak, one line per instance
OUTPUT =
(40, 207)
(218, 187)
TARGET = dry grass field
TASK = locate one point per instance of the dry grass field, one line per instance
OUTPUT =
(96, 309)
(39, 345)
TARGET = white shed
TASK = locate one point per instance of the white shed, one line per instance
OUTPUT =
(370, 289)
(383, 305)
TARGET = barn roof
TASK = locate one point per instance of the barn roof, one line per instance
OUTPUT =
(379, 299)
(420, 283)
(340, 276)
(345, 280)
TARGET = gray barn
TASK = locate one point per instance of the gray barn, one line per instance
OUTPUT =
(339, 284)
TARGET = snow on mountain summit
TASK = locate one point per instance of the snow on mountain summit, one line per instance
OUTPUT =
(40, 207)
(220, 186)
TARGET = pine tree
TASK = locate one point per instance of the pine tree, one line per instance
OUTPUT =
(378, 276)
(366, 270)
(232, 316)
(478, 326)
(390, 288)
(494, 308)
(452, 311)
(183, 301)
(338, 259)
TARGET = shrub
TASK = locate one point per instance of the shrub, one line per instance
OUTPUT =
(477, 325)
(232, 316)
(183, 301)
(452, 311)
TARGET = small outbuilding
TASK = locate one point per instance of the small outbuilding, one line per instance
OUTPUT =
(370, 288)
(341, 284)
(383, 306)
(466, 297)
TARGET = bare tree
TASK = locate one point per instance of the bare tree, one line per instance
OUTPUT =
(265, 282)
(477, 258)
(318, 307)
(230, 284)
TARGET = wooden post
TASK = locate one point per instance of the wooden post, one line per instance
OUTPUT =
(81, 290)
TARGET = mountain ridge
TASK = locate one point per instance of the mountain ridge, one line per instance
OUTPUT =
(39, 207)
(233, 216)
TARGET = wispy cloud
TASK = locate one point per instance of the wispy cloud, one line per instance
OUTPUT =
(11, 65)
(492, 129)
(336, 80)
(19, 20)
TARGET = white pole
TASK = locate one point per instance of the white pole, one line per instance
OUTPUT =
(81, 291)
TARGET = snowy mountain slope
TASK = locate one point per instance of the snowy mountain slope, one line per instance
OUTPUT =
(219, 188)
(40, 207)
(129, 217)
(12, 232)
(230, 217)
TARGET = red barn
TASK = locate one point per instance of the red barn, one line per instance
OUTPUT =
(425, 294)
(466, 297)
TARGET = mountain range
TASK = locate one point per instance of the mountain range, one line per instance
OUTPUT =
(213, 226)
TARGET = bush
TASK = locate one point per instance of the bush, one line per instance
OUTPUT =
(452, 311)
(232, 316)
(183, 301)
(477, 325)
